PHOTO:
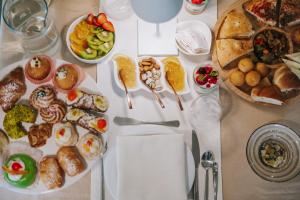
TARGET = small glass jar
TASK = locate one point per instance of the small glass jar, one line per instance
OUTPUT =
(195, 7)
(206, 78)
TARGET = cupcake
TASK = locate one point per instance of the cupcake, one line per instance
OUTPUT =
(55, 112)
(65, 134)
(67, 77)
(42, 96)
(39, 69)
(90, 146)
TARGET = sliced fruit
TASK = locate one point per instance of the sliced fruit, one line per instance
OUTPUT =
(96, 29)
(105, 36)
(77, 49)
(95, 22)
(106, 47)
(101, 18)
(108, 26)
(89, 54)
(100, 53)
(90, 18)
(92, 40)
(95, 47)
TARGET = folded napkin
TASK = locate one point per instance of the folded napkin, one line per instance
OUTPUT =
(151, 167)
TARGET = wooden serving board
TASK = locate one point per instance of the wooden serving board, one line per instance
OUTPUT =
(224, 73)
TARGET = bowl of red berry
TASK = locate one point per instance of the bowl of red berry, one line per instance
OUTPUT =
(195, 6)
(206, 78)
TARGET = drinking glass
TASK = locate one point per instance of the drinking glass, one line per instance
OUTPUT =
(117, 9)
(28, 20)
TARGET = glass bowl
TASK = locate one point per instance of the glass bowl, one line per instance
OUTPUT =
(287, 143)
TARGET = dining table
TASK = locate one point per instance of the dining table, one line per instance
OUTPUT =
(239, 119)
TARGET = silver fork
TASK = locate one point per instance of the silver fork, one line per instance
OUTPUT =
(124, 121)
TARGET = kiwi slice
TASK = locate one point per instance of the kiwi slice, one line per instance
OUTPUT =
(106, 47)
(92, 40)
(105, 36)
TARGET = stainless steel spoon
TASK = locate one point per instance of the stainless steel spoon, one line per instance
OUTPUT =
(207, 162)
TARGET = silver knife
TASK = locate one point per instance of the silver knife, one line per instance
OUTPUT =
(215, 180)
(196, 155)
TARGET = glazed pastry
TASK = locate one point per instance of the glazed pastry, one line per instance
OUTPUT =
(252, 78)
(83, 100)
(20, 170)
(90, 146)
(67, 77)
(55, 112)
(39, 69)
(38, 134)
(52, 175)
(96, 124)
(70, 160)
(245, 65)
(237, 78)
(42, 96)
(12, 87)
(13, 118)
(65, 134)
(4, 141)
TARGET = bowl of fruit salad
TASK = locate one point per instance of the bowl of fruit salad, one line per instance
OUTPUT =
(206, 78)
(91, 38)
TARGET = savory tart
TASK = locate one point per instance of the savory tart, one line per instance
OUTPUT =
(270, 44)
(51, 174)
(70, 160)
(42, 96)
(13, 119)
(236, 25)
(39, 69)
(229, 50)
(262, 10)
(94, 123)
(55, 112)
(289, 12)
(12, 88)
(65, 134)
(39, 133)
(20, 170)
(67, 77)
(80, 99)
(90, 146)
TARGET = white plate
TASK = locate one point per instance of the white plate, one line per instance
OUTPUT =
(111, 176)
(140, 85)
(50, 148)
(71, 29)
(199, 27)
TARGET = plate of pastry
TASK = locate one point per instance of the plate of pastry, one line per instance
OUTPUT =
(53, 126)
(257, 54)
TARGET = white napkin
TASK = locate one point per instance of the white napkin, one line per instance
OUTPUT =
(151, 167)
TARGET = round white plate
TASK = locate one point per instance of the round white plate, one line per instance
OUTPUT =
(111, 176)
(50, 148)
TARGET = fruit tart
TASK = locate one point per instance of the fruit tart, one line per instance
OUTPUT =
(90, 146)
(65, 134)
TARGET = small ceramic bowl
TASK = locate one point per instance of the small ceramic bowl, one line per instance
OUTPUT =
(206, 78)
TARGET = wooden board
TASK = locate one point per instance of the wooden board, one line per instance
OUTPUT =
(224, 73)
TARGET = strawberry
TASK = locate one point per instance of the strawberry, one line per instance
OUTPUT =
(197, 1)
(95, 23)
(90, 18)
(101, 18)
(108, 26)
(72, 95)
(101, 123)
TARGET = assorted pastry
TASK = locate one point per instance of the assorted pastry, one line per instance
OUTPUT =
(251, 50)
(21, 165)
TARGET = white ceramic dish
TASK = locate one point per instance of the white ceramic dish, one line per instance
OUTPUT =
(71, 29)
(50, 148)
(199, 27)
(111, 176)
(140, 85)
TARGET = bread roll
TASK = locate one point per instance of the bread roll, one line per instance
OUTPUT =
(51, 173)
(70, 160)
(245, 65)
(285, 79)
(269, 94)
(252, 78)
(237, 78)
(262, 69)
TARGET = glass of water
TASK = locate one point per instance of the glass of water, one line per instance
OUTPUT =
(28, 20)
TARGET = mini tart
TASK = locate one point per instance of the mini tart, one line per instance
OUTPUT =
(90, 146)
(65, 134)
(20, 170)
(67, 77)
(39, 69)
(55, 112)
(42, 96)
